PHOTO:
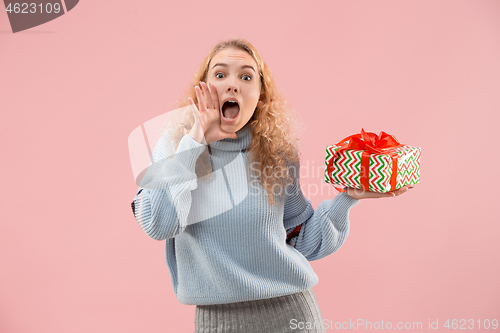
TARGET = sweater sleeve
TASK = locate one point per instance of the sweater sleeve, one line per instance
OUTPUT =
(323, 231)
(163, 201)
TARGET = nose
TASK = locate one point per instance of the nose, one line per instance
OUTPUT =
(232, 87)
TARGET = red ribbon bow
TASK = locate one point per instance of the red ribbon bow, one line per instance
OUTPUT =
(371, 143)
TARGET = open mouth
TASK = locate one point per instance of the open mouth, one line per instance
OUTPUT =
(230, 109)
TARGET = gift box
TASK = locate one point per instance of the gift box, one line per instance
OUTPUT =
(377, 163)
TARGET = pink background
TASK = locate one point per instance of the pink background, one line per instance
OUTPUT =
(73, 258)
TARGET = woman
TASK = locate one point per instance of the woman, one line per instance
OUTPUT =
(224, 192)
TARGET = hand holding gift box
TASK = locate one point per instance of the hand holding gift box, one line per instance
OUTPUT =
(370, 162)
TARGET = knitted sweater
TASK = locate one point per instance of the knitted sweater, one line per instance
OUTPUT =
(224, 242)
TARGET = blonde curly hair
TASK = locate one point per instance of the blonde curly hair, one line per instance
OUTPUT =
(274, 125)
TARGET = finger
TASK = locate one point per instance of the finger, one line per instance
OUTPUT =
(201, 99)
(196, 113)
(401, 190)
(215, 97)
(360, 193)
(382, 195)
(207, 94)
(192, 104)
(408, 187)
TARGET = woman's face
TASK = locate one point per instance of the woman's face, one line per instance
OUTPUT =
(236, 77)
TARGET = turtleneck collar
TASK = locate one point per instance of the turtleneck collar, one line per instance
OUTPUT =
(241, 143)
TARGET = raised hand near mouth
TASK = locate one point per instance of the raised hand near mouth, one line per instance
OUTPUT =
(207, 122)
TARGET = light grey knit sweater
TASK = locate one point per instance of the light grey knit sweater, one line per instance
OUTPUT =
(224, 242)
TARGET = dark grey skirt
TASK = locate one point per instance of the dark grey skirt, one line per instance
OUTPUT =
(290, 313)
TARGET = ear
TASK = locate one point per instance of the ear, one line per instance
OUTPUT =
(260, 104)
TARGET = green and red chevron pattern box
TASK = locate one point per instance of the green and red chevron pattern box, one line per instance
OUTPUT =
(390, 166)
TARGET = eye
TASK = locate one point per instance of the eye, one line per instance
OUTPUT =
(248, 76)
(217, 75)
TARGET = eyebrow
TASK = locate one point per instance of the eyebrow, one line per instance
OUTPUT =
(225, 65)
